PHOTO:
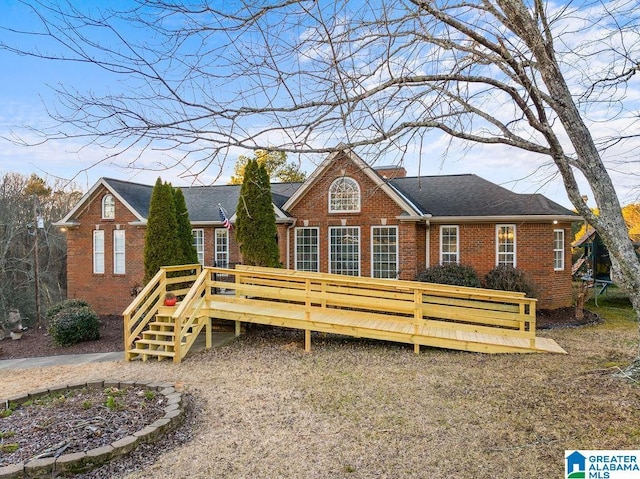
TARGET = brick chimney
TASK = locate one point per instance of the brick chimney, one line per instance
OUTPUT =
(390, 172)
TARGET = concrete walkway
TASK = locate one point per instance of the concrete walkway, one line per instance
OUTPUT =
(217, 339)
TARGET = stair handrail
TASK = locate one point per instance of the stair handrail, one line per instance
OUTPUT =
(143, 308)
(188, 303)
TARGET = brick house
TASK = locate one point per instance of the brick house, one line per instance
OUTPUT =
(346, 218)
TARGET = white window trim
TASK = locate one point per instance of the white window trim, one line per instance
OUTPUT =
(97, 252)
(397, 268)
(200, 252)
(515, 243)
(457, 228)
(215, 246)
(104, 200)
(562, 250)
(329, 196)
(295, 246)
(116, 252)
(359, 248)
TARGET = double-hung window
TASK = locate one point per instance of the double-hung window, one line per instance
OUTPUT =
(307, 249)
(558, 250)
(198, 244)
(506, 245)
(98, 251)
(221, 248)
(449, 245)
(384, 251)
(344, 250)
(118, 252)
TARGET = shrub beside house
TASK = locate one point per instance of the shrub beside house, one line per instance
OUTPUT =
(346, 218)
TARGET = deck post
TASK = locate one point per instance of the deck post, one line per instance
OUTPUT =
(238, 328)
(177, 339)
(208, 334)
(307, 340)
(416, 348)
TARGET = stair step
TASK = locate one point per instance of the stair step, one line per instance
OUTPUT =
(152, 352)
(151, 332)
(160, 324)
(154, 342)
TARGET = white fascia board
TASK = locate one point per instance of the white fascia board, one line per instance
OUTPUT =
(506, 219)
(66, 221)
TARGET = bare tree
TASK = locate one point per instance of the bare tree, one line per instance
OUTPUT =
(22, 199)
(311, 76)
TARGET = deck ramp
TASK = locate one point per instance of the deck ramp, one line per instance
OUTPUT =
(422, 314)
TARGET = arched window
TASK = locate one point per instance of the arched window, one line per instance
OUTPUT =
(108, 207)
(344, 196)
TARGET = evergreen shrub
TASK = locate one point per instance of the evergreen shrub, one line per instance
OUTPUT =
(74, 325)
(66, 304)
(508, 278)
(453, 274)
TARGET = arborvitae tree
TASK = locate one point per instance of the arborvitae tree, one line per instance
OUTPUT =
(161, 241)
(187, 253)
(255, 219)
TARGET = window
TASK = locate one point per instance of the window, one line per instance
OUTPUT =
(118, 252)
(558, 250)
(384, 251)
(506, 245)
(98, 251)
(221, 248)
(198, 244)
(344, 196)
(307, 250)
(344, 250)
(108, 207)
(449, 245)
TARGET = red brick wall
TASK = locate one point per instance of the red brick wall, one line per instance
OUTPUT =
(534, 254)
(110, 294)
(107, 293)
(313, 211)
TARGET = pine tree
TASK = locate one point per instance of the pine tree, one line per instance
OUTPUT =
(255, 219)
(161, 241)
(186, 253)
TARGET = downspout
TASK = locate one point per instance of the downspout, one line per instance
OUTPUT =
(295, 220)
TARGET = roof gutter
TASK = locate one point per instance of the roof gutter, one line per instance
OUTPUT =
(507, 219)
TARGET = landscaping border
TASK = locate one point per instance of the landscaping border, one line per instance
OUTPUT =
(74, 463)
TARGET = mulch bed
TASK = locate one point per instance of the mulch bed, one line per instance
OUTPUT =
(75, 421)
(564, 318)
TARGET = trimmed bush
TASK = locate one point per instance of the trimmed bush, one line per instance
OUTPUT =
(74, 325)
(508, 278)
(66, 304)
(454, 274)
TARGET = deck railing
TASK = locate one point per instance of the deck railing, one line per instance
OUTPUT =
(208, 293)
(444, 306)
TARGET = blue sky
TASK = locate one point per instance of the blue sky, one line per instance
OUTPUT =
(25, 89)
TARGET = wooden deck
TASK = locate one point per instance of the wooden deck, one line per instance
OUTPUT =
(421, 314)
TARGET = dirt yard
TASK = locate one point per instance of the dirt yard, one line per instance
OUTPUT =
(362, 409)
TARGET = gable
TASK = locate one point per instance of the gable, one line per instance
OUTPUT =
(332, 167)
(134, 197)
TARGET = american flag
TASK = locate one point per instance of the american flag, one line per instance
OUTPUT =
(223, 217)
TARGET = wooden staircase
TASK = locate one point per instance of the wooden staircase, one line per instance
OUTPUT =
(159, 340)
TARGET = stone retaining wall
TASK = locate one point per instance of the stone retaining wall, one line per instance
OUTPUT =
(69, 464)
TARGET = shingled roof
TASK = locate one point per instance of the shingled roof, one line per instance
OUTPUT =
(469, 195)
(455, 196)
